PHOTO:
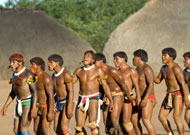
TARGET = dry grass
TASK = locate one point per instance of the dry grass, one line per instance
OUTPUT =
(160, 24)
(32, 33)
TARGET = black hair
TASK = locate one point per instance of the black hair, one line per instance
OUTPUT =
(121, 54)
(142, 54)
(91, 52)
(56, 58)
(39, 62)
(187, 54)
(100, 56)
(170, 51)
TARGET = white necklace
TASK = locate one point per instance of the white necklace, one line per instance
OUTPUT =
(89, 68)
(20, 72)
(60, 72)
(188, 70)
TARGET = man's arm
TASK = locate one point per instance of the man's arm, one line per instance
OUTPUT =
(70, 89)
(106, 88)
(159, 78)
(118, 77)
(75, 78)
(33, 89)
(135, 79)
(180, 78)
(49, 90)
(8, 102)
(149, 75)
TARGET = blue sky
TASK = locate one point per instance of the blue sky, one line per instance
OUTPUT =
(2, 2)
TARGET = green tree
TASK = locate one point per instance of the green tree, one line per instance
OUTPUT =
(92, 20)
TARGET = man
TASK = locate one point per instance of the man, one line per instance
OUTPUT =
(130, 77)
(63, 85)
(45, 97)
(176, 90)
(186, 72)
(90, 78)
(115, 83)
(146, 86)
(24, 87)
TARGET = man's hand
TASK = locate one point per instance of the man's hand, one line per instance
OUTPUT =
(187, 103)
(111, 107)
(138, 101)
(4, 110)
(34, 111)
(144, 102)
(70, 110)
(50, 116)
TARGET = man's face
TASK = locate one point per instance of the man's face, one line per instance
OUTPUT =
(99, 63)
(118, 61)
(52, 65)
(186, 62)
(136, 60)
(15, 65)
(88, 59)
(33, 68)
(165, 58)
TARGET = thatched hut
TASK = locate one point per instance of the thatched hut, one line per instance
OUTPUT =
(160, 24)
(32, 33)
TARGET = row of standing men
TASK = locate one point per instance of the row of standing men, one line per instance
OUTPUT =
(45, 98)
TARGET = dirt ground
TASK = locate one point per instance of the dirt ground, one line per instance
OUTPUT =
(6, 123)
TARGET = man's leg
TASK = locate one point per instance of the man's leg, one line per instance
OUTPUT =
(16, 126)
(65, 122)
(127, 112)
(178, 109)
(93, 115)
(187, 116)
(36, 124)
(80, 121)
(57, 123)
(136, 116)
(115, 114)
(25, 120)
(147, 115)
(163, 114)
(45, 123)
(106, 119)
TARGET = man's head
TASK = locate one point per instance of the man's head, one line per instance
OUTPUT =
(89, 57)
(54, 61)
(36, 64)
(168, 54)
(100, 59)
(119, 58)
(186, 61)
(16, 61)
(140, 55)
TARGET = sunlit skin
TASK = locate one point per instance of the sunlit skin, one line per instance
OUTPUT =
(22, 90)
(89, 84)
(130, 77)
(63, 89)
(115, 81)
(187, 80)
(146, 85)
(174, 79)
(45, 91)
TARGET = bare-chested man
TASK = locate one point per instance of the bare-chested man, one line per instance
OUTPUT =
(45, 97)
(24, 87)
(90, 78)
(176, 90)
(146, 86)
(130, 77)
(63, 86)
(115, 82)
(186, 72)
